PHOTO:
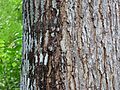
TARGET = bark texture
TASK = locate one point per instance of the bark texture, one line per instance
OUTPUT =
(71, 45)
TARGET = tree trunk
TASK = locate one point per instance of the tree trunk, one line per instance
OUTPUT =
(71, 45)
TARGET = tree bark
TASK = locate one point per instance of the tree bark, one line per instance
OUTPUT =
(71, 45)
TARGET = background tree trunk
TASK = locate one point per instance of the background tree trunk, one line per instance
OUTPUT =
(71, 45)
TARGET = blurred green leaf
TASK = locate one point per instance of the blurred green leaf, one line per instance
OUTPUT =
(2, 84)
(14, 64)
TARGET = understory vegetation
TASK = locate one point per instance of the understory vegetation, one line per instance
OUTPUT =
(10, 43)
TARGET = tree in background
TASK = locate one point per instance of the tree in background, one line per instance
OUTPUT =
(71, 45)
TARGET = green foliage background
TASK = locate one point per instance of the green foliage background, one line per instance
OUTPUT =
(10, 44)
